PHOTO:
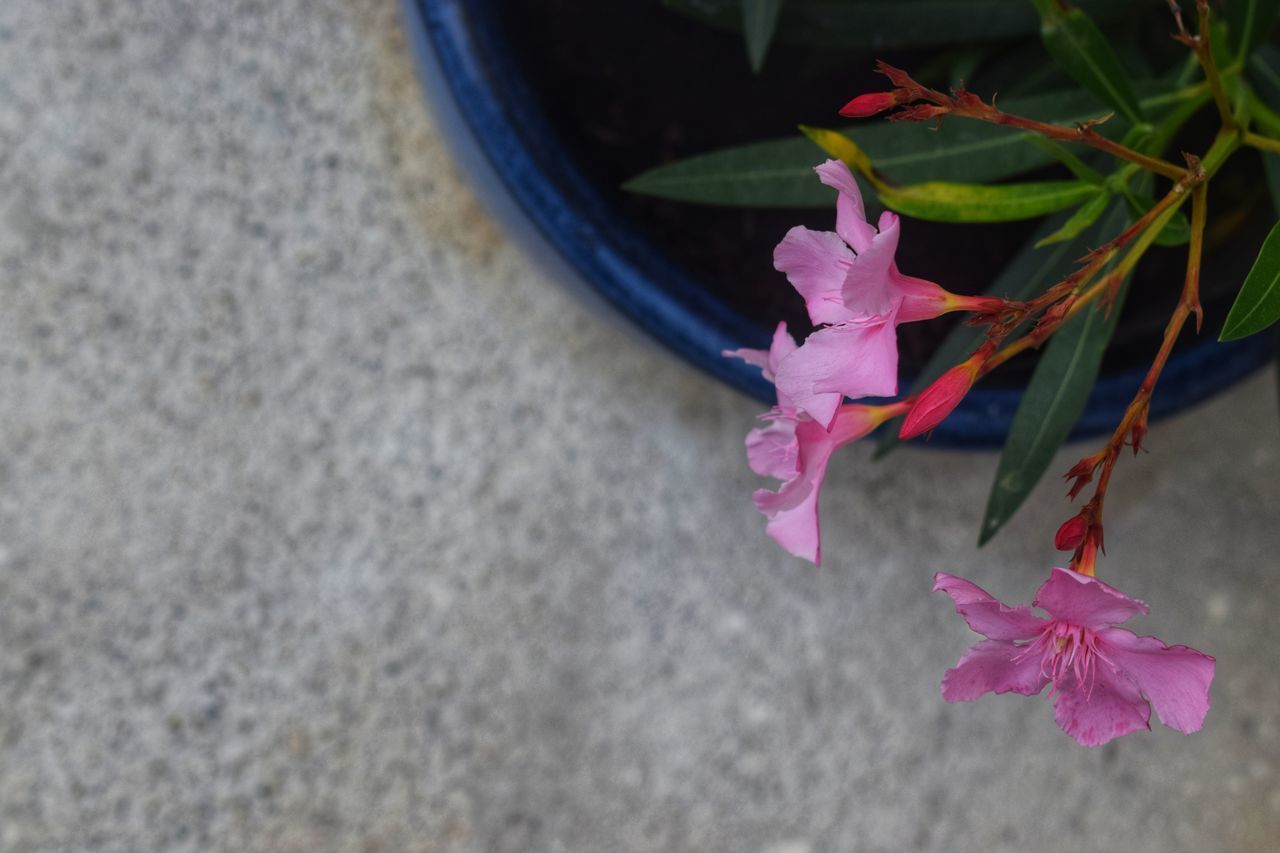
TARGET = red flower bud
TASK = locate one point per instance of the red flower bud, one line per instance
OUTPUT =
(1071, 533)
(870, 104)
(940, 399)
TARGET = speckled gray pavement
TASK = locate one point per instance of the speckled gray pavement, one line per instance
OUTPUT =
(329, 522)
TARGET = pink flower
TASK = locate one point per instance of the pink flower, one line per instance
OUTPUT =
(851, 284)
(795, 449)
(1106, 679)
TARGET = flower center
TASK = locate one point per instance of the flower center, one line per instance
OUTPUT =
(1068, 653)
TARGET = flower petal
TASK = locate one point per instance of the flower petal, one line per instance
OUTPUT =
(868, 289)
(854, 360)
(851, 213)
(1107, 707)
(993, 666)
(1175, 678)
(793, 510)
(1081, 600)
(768, 360)
(985, 614)
(815, 263)
(772, 451)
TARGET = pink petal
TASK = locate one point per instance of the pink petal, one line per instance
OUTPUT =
(1104, 708)
(868, 288)
(755, 357)
(815, 263)
(851, 214)
(767, 360)
(993, 666)
(1081, 600)
(1175, 678)
(854, 360)
(773, 451)
(793, 510)
(985, 614)
(781, 347)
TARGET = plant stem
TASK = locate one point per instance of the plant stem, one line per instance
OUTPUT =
(1082, 133)
(1133, 425)
(1265, 143)
(1204, 52)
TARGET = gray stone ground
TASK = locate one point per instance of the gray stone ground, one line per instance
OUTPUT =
(327, 522)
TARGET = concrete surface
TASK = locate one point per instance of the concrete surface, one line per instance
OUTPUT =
(329, 523)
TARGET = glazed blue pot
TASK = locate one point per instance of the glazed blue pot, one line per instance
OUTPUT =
(509, 149)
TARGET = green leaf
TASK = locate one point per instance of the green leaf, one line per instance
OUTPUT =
(944, 201)
(888, 24)
(1085, 216)
(1028, 274)
(759, 20)
(1076, 43)
(1258, 305)
(779, 173)
(947, 201)
(1249, 22)
(1053, 401)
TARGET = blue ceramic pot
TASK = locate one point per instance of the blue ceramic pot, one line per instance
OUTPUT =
(512, 153)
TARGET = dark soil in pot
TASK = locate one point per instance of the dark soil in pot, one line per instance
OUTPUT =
(629, 85)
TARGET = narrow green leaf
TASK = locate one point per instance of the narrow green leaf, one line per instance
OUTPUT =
(759, 21)
(1085, 216)
(1249, 21)
(1028, 274)
(1076, 43)
(944, 201)
(779, 173)
(1258, 305)
(889, 24)
(1053, 401)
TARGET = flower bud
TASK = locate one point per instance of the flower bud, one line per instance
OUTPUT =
(1071, 533)
(940, 399)
(870, 104)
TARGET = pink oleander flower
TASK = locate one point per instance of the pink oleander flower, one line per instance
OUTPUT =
(795, 449)
(851, 285)
(1106, 679)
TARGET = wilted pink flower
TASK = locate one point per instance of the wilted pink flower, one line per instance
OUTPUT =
(1106, 679)
(795, 449)
(851, 284)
